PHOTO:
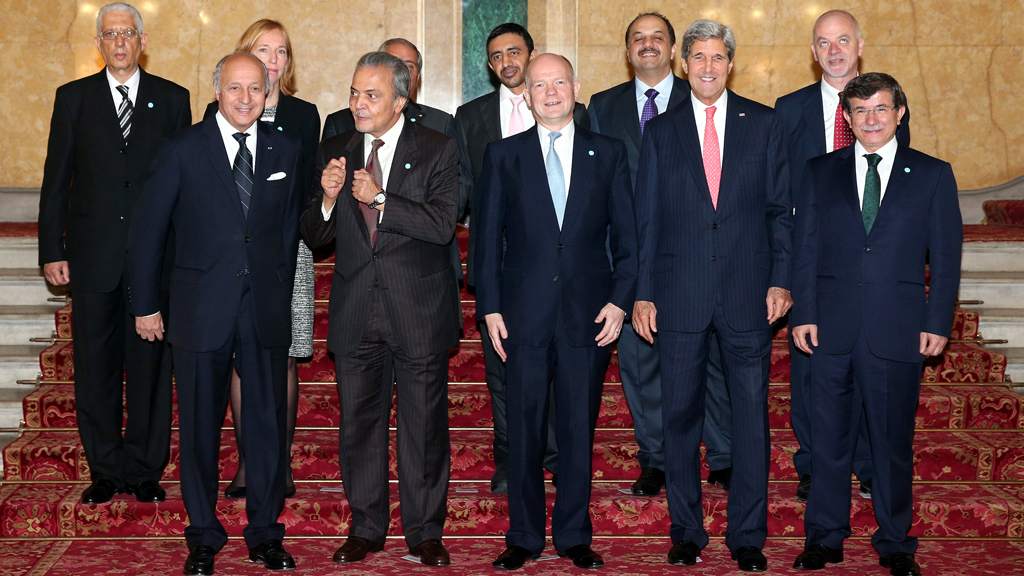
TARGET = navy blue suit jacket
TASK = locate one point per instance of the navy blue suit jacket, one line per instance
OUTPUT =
(692, 255)
(847, 281)
(191, 187)
(548, 273)
(804, 120)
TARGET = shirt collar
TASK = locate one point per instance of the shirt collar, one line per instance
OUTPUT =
(828, 91)
(568, 133)
(664, 87)
(132, 83)
(228, 130)
(719, 104)
(390, 137)
(504, 93)
(887, 152)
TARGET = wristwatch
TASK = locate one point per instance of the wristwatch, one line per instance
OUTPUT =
(379, 199)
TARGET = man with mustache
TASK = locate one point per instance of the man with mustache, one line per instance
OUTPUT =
(814, 124)
(491, 117)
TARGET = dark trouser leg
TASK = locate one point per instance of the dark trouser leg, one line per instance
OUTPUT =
(495, 375)
(862, 464)
(800, 407)
(641, 383)
(718, 412)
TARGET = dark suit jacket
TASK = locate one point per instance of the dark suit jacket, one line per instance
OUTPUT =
(409, 262)
(192, 189)
(847, 281)
(804, 121)
(692, 255)
(297, 118)
(477, 124)
(92, 179)
(613, 112)
(547, 273)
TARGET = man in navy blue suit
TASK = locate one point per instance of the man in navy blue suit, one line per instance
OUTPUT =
(553, 302)
(714, 221)
(814, 124)
(871, 220)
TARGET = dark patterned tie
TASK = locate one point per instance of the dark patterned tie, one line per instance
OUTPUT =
(124, 112)
(872, 192)
(243, 172)
(650, 108)
(370, 215)
(843, 136)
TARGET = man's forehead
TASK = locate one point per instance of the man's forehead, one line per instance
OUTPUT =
(882, 96)
(654, 25)
(840, 21)
(506, 42)
(114, 18)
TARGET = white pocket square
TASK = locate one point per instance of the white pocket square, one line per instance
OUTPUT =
(276, 176)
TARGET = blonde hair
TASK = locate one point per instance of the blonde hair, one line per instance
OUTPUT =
(252, 35)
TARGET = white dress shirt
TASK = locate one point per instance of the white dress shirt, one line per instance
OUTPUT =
(227, 133)
(132, 84)
(888, 154)
(505, 110)
(385, 155)
(829, 106)
(664, 89)
(701, 117)
(563, 146)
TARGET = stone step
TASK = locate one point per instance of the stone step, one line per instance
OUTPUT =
(19, 204)
(19, 323)
(26, 286)
(993, 257)
(1002, 324)
(10, 405)
(1002, 289)
(19, 252)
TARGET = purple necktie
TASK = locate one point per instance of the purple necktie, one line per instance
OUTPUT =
(650, 108)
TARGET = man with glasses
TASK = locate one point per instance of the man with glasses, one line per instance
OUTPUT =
(105, 131)
(866, 217)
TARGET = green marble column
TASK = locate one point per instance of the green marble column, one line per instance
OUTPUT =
(479, 17)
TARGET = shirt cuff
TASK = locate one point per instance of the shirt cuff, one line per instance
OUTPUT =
(326, 213)
(148, 315)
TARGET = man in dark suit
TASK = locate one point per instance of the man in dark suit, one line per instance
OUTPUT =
(872, 220)
(552, 300)
(621, 112)
(230, 187)
(390, 199)
(106, 130)
(479, 122)
(714, 221)
(814, 124)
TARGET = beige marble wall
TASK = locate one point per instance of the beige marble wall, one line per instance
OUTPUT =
(960, 61)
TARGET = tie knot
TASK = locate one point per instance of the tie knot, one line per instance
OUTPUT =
(554, 136)
(651, 93)
(377, 143)
(516, 100)
(240, 137)
(123, 90)
(873, 159)
(710, 111)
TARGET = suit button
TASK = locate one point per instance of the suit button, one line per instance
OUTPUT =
(867, 248)
(246, 239)
(127, 184)
(376, 258)
(555, 279)
(560, 246)
(123, 150)
(713, 258)
(715, 226)
(122, 218)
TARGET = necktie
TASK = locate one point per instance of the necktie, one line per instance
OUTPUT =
(124, 112)
(843, 136)
(556, 178)
(369, 214)
(515, 121)
(872, 191)
(243, 172)
(650, 108)
(712, 157)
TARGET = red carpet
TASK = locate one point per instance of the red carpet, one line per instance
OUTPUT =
(1004, 212)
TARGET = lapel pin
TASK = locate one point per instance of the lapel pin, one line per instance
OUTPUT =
(407, 165)
(280, 128)
(907, 170)
(591, 152)
(150, 104)
(412, 119)
(270, 147)
(743, 113)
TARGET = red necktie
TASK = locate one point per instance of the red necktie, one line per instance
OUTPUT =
(843, 135)
(369, 214)
(712, 158)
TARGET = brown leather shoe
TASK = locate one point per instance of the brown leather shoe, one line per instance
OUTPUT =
(431, 553)
(355, 549)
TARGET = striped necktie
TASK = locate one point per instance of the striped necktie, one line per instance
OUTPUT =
(124, 112)
(242, 170)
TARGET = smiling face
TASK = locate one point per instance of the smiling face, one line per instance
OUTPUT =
(550, 91)
(837, 48)
(121, 56)
(874, 130)
(273, 51)
(242, 92)
(649, 50)
(707, 68)
(507, 57)
(372, 102)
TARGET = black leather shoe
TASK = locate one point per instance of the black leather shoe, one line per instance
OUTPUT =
(815, 557)
(683, 553)
(649, 483)
(147, 491)
(750, 559)
(865, 488)
(583, 556)
(233, 492)
(513, 558)
(273, 555)
(100, 491)
(900, 564)
(720, 478)
(499, 481)
(199, 561)
(431, 553)
(355, 549)
(803, 489)
(289, 491)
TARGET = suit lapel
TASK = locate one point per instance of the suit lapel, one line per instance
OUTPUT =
(814, 117)
(686, 129)
(264, 163)
(218, 155)
(102, 104)
(491, 109)
(355, 161)
(848, 186)
(531, 161)
(680, 91)
(899, 177)
(406, 153)
(141, 111)
(732, 150)
(626, 102)
(583, 160)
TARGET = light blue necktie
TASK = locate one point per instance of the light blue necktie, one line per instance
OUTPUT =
(556, 179)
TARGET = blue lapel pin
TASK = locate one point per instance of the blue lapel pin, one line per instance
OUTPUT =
(280, 128)
(907, 170)
(591, 152)
(407, 165)
(150, 104)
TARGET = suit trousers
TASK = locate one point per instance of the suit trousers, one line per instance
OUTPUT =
(424, 452)
(745, 361)
(203, 380)
(110, 359)
(577, 376)
(843, 386)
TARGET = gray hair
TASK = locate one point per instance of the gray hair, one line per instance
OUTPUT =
(400, 76)
(118, 7)
(704, 30)
(856, 25)
(529, 64)
(220, 68)
(404, 42)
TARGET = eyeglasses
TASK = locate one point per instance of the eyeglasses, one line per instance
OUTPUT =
(878, 110)
(128, 35)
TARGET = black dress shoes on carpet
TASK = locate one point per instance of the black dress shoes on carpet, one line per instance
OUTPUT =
(583, 556)
(816, 556)
(683, 553)
(200, 561)
(803, 489)
(900, 564)
(650, 482)
(355, 549)
(720, 478)
(273, 555)
(513, 558)
(865, 488)
(750, 559)
(100, 491)
(431, 553)
(233, 492)
(499, 481)
(147, 491)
